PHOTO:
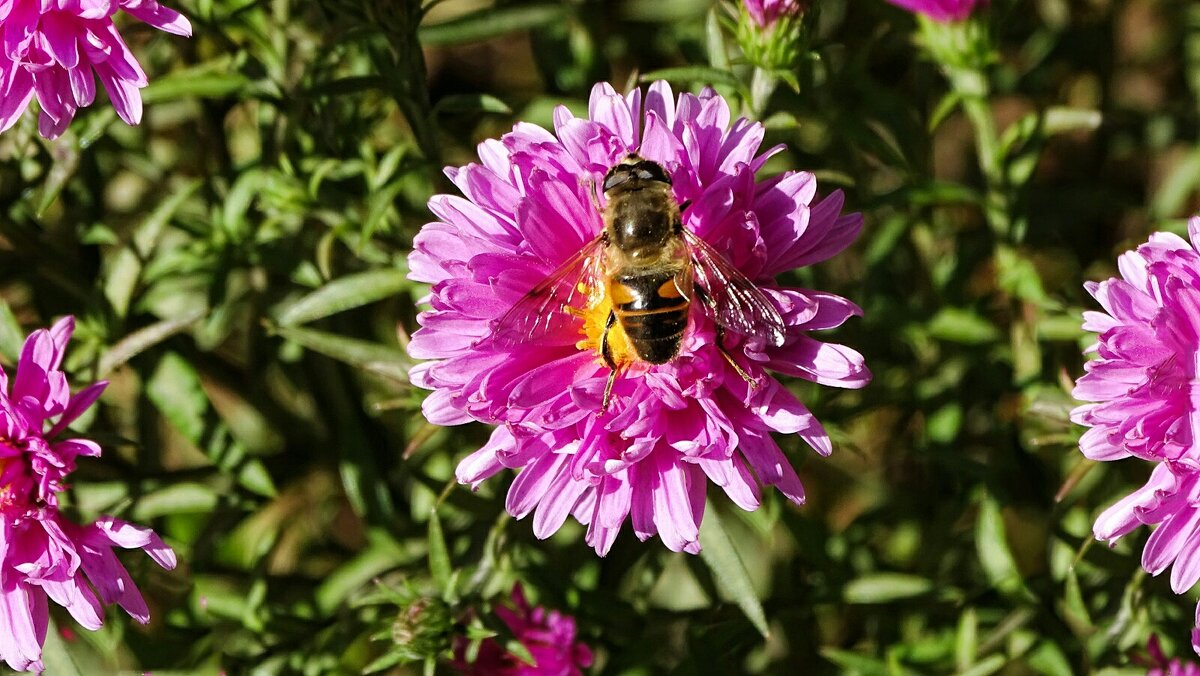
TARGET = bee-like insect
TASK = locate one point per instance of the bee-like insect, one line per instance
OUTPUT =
(649, 267)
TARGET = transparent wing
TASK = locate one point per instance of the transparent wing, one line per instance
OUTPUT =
(547, 308)
(733, 301)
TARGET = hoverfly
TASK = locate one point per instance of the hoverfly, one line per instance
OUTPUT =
(650, 268)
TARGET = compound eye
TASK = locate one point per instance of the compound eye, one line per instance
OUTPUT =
(652, 171)
(616, 177)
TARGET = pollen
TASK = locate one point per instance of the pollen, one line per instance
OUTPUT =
(595, 317)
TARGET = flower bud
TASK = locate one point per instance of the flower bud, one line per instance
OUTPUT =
(422, 629)
(772, 33)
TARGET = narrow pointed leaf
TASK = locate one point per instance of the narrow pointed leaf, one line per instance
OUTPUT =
(721, 557)
(361, 353)
(490, 23)
(11, 335)
(994, 555)
(344, 294)
(145, 338)
(439, 557)
(885, 587)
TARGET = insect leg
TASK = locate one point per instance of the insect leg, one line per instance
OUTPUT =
(752, 382)
(703, 296)
(606, 353)
(729, 358)
(592, 193)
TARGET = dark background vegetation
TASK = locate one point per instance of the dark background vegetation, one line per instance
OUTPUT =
(237, 264)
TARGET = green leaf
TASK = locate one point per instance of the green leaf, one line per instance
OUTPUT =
(1063, 119)
(1048, 659)
(721, 557)
(936, 193)
(220, 596)
(995, 557)
(59, 657)
(11, 335)
(125, 270)
(854, 663)
(885, 588)
(471, 103)
(1017, 275)
(520, 651)
(966, 641)
(364, 354)
(199, 82)
(439, 556)
(354, 84)
(381, 203)
(1066, 327)
(1025, 130)
(492, 22)
(253, 476)
(714, 40)
(943, 425)
(145, 338)
(1177, 188)
(177, 498)
(381, 554)
(385, 661)
(475, 633)
(175, 389)
(989, 665)
(66, 156)
(249, 186)
(958, 325)
(948, 103)
(345, 293)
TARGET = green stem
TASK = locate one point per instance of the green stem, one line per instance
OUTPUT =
(972, 87)
(762, 86)
(405, 74)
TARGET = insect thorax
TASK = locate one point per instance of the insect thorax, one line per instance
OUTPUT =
(642, 219)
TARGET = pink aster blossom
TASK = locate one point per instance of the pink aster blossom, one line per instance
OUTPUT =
(43, 555)
(1143, 395)
(766, 12)
(1170, 500)
(55, 49)
(1161, 666)
(548, 635)
(941, 10)
(669, 429)
(1142, 383)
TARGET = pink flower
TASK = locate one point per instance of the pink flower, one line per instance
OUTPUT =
(1143, 390)
(669, 428)
(55, 49)
(941, 10)
(1168, 500)
(766, 12)
(42, 554)
(1142, 383)
(1161, 666)
(548, 635)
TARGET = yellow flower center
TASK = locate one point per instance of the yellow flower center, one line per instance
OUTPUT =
(595, 317)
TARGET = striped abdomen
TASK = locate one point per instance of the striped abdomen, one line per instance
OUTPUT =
(652, 311)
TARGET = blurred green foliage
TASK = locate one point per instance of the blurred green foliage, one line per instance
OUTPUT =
(237, 264)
